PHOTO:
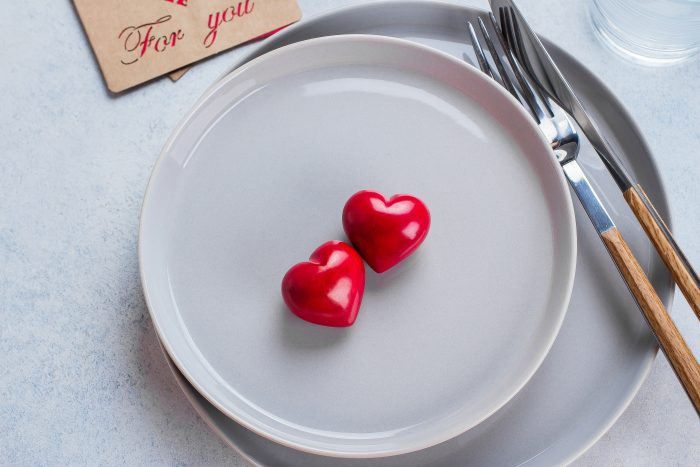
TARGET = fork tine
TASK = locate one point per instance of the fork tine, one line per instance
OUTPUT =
(520, 52)
(516, 39)
(497, 60)
(505, 36)
(480, 57)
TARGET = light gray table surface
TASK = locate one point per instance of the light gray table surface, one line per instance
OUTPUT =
(82, 379)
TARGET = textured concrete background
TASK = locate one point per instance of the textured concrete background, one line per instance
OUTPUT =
(83, 380)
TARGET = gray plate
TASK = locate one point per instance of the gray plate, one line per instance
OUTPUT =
(479, 305)
(604, 350)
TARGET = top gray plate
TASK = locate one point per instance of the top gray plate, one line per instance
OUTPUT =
(256, 178)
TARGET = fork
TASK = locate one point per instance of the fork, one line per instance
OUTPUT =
(558, 129)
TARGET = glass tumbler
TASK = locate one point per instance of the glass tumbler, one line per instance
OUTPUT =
(652, 32)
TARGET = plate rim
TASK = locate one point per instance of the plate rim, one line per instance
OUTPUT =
(570, 237)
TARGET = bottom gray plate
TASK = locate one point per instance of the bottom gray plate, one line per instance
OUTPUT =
(604, 350)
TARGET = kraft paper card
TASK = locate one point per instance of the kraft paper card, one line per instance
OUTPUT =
(138, 40)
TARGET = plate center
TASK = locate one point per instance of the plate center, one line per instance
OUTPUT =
(266, 184)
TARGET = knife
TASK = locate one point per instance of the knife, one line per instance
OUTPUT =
(532, 55)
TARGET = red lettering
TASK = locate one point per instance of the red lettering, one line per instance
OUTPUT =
(146, 41)
(157, 46)
(226, 16)
(133, 39)
(213, 29)
(174, 36)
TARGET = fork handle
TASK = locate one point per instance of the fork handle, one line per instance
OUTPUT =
(670, 340)
(660, 236)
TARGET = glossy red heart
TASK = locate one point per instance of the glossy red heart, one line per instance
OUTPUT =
(385, 232)
(327, 289)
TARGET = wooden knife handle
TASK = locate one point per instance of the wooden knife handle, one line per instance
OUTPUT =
(670, 340)
(659, 235)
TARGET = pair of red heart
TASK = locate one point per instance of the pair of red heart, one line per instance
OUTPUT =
(328, 289)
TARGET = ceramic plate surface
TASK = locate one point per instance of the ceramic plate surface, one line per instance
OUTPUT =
(604, 349)
(256, 178)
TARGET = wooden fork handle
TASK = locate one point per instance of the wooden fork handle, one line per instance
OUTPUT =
(660, 236)
(670, 340)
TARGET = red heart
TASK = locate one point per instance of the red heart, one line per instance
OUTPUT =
(327, 289)
(385, 232)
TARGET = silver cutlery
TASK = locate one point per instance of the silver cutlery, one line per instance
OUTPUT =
(537, 63)
(560, 132)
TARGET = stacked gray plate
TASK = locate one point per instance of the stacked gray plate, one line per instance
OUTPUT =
(208, 269)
